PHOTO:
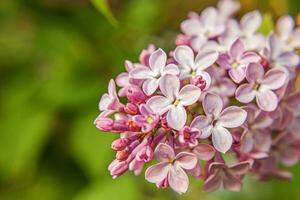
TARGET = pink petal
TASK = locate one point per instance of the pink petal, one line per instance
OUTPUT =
(255, 73)
(212, 183)
(157, 60)
(170, 69)
(191, 26)
(262, 141)
(245, 93)
(231, 183)
(159, 104)
(176, 117)
(205, 59)
(266, 100)
(237, 75)
(251, 22)
(122, 79)
(141, 73)
(164, 153)
(169, 86)
(222, 139)
(295, 128)
(249, 57)
(178, 180)
(189, 94)
(232, 117)
(157, 173)
(184, 55)
(204, 151)
(285, 26)
(212, 104)
(240, 168)
(206, 77)
(202, 123)
(237, 49)
(186, 160)
(105, 101)
(150, 86)
(274, 79)
(288, 59)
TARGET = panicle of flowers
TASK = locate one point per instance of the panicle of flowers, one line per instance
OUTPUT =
(226, 89)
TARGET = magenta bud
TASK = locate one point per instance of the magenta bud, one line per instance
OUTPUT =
(122, 155)
(104, 123)
(117, 168)
(199, 82)
(131, 109)
(119, 144)
(136, 95)
(145, 154)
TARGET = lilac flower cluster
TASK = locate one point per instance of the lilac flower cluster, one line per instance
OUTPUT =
(224, 96)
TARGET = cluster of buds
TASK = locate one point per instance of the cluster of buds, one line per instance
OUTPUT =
(225, 96)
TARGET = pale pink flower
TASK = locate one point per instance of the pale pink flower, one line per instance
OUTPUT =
(286, 31)
(261, 86)
(237, 60)
(152, 74)
(229, 177)
(246, 30)
(277, 56)
(216, 121)
(110, 100)
(174, 100)
(191, 66)
(147, 120)
(256, 135)
(207, 26)
(171, 168)
(227, 8)
(189, 136)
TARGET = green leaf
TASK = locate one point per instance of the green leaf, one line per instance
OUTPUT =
(103, 7)
(267, 25)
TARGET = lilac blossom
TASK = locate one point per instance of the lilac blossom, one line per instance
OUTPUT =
(152, 74)
(216, 121)
(237, 60)
(260, 86)
(229, 177)
(147, 120)
(171, 168)
(286, 31)
(191, 66)
(226, 94)
(208, 25)
(174, 100)
(278, 57)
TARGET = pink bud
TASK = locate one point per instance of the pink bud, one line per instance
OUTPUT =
(104, 123)
(117, 168)
(122, 155)
(136, 95)
(119, 144)
(131, 109)
(199, 82)
(145, 154)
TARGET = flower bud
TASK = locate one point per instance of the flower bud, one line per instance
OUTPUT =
(131, 109)
(122, 155)
(119, 144)
(117, 168)
(199, 82)
(104, 123)
(136, 95)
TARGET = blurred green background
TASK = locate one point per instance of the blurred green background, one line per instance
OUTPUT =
(56, 58)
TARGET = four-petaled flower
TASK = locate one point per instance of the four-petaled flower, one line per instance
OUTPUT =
(147, 120)
(261, 86)
(152, 74)
(191, 67)
(230, 176)
(174, 100)
(216, 121)
(171, 168)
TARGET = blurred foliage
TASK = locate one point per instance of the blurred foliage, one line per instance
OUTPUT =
(56, 57)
